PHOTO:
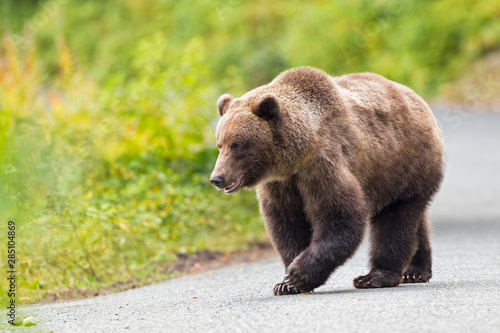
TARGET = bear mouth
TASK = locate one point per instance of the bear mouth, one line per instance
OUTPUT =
(235, 186)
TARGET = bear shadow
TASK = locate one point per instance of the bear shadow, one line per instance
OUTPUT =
(404, 287)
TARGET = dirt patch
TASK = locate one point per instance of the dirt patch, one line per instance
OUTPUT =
(198, 262)
(205, 260)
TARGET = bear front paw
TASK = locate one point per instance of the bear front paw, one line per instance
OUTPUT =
(298, 281)
(283, 288)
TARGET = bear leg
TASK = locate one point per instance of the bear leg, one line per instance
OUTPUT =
(327, 251)
(282, 207)
(420, 267)
(336, 209)
(394, 241)
(335, 238)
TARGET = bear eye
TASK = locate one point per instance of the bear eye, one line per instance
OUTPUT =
(235, 145)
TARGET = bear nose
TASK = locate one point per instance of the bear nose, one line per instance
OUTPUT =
(217, 181)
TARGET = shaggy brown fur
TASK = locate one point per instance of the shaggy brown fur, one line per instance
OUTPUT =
(328, 154)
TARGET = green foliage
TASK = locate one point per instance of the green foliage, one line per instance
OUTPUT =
(420, 43)
(107, 114)
(105, 183)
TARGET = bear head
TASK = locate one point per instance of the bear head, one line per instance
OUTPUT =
(248, 139)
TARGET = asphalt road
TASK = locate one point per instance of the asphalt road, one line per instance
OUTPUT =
(463, 295)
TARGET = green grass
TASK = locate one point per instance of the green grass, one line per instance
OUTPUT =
(107, 115)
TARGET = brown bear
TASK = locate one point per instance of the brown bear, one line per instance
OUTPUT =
(327, 154)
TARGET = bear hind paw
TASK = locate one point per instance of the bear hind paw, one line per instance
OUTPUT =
(378, 279)
(416, 275)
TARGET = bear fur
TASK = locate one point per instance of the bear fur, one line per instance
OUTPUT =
(329, 155)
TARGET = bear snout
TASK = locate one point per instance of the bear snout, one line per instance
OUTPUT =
(218, 181)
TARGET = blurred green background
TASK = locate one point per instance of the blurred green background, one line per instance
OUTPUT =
(107, 116)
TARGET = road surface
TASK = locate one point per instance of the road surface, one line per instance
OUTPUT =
(463, 295)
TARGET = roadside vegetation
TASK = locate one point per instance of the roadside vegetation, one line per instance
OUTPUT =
(107, 116)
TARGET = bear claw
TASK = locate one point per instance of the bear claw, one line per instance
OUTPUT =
(283, 288)
(415, 277)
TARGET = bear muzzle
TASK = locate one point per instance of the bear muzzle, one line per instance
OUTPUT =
(219, 182)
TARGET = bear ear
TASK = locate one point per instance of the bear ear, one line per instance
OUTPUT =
(223, 103)
(269, 107)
